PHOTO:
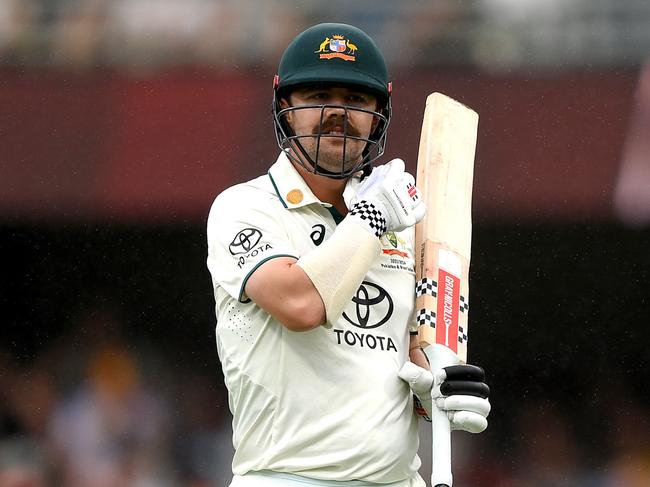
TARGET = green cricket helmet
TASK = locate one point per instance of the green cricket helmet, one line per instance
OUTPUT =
(332, 55)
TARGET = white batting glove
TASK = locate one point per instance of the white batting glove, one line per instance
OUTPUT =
(387, 200)
(458, 390)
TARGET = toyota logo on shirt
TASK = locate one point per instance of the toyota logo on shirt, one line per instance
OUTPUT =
(245, 241)
(373, 306)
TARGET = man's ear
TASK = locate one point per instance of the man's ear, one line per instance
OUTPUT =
(284, 103)
(376, 120)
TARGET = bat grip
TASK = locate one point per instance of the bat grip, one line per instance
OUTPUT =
(440, 356)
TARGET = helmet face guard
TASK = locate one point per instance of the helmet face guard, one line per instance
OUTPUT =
(295, 144)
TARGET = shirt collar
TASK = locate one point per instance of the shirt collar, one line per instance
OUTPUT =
(289, 185)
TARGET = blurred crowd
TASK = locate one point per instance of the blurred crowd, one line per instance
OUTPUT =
(95, 409)
(493, 34)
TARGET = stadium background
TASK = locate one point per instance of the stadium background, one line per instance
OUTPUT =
(121, 120)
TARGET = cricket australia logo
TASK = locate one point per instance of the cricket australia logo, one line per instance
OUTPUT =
(392, 245)
(246, 245)
(337, 46)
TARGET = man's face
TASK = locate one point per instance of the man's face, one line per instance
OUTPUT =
(330, 123)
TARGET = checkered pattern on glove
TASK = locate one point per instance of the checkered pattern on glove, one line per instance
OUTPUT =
(371, 216)
(391, 191)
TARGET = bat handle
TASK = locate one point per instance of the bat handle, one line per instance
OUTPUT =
(440, 356)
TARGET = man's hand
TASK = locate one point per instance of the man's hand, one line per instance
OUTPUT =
(387, 200)
(459, 390)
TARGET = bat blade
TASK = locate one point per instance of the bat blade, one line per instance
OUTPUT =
(443, 238)
(445, 173)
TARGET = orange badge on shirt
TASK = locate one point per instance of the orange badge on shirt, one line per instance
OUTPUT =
(294, 196)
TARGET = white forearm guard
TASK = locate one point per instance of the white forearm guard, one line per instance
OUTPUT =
(338, 266)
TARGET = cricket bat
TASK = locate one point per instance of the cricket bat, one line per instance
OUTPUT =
(443, 238)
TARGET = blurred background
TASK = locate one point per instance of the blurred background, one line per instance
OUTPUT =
(121, 120)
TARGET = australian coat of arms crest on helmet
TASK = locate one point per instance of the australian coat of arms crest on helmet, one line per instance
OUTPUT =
(337, 46)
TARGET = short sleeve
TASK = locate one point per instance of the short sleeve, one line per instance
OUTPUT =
(245, 230)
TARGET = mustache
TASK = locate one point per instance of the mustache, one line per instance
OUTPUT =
(336, 122)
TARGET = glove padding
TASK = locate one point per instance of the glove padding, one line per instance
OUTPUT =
(459, 390)
(391, 192)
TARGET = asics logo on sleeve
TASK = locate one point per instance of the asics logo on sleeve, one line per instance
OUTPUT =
(318, 234)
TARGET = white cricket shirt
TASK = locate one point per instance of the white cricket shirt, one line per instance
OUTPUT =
(325, 403)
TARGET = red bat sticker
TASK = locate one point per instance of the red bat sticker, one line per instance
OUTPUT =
(448, 309)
